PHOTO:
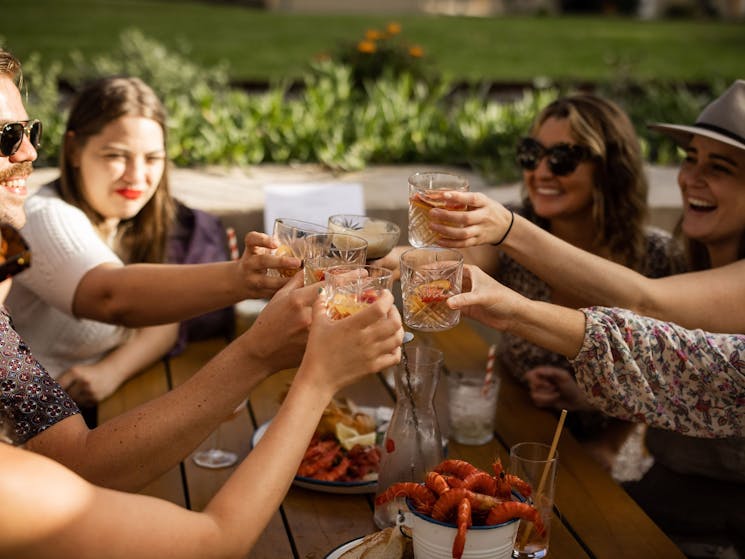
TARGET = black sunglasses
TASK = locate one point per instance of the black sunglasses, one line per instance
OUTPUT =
(11, 136)
(562, 158)
(15, 255)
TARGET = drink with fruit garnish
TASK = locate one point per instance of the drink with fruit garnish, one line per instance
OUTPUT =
(350, 288)
(429, 276)
(324, 250)
(426, 191)
(291, 235)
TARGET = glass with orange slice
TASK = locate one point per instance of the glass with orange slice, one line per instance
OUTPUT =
(291, 235)
(324, 250)
(429, 276)
(426, 191)
(350, 288)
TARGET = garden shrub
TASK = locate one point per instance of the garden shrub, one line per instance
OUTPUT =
(345, 116)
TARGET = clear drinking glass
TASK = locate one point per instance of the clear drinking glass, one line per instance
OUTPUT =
(324, 250)
(215, 457)
(530, 462)
(351, 287)
(429, 276)
(426, 192)
(472, 407)
(291, 235)
(381, 235)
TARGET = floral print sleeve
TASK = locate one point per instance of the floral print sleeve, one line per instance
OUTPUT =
(33, 400)
(661, 374)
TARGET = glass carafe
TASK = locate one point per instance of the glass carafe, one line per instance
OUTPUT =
(413, 444)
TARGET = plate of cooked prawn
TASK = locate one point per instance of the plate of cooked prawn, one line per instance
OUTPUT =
(344, 454)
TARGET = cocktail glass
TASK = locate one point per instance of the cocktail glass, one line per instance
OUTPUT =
(381, 235)
(291, 235)
(351, 287)
(324, 250)
(429, 276)
(426, 191)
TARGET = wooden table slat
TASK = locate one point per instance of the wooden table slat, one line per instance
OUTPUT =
(593, 515)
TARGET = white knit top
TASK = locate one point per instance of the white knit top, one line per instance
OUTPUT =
(64, 246)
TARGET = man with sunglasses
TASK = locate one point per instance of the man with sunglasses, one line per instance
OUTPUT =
(131, 450)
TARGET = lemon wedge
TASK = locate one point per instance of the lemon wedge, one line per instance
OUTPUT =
(348, 437)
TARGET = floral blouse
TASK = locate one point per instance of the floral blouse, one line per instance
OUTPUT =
(28, 395)
(655, 372)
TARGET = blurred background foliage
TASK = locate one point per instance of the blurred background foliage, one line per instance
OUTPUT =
(377, 100)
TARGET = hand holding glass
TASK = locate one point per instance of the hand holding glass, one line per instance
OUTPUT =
(291, 235)
(426, 191)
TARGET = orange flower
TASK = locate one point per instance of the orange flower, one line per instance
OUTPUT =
(415, 51)
(393, 28)
(366, 46)
(373, 35)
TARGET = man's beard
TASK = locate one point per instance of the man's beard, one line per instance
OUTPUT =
(22, 169)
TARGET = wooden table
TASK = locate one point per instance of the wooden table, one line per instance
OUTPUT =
(593, 516)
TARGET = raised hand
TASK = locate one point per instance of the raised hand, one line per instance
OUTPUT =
(484, 298)
(484, 222)
(279, 334)
(256, 260)
(342, 351)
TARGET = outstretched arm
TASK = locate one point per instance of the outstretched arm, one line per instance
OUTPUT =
(94, 522)
(631, 367)
(558, 329)
(720, 307)
(147, 294)
(132, 449)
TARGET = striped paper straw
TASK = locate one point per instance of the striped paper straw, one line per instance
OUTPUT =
(232, 243)
(490, 358)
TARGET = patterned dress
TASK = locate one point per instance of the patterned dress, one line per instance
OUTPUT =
(28, 395)
(663, 257)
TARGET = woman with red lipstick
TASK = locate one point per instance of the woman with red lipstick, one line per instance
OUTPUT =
(696, 488)
(110, 207)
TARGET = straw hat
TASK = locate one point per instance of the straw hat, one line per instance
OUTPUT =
(723, 120)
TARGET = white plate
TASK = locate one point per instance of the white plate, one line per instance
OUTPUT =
(381, 415)
(336, 553)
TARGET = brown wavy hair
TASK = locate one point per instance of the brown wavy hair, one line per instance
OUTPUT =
(620, 195)
(143, 237)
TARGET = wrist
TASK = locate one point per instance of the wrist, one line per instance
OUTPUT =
(504, 236)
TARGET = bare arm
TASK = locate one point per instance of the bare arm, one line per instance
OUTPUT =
(91, 383)
(717, 307)
(91, 522)
(148, 294)
(132, 449)
(558, 329)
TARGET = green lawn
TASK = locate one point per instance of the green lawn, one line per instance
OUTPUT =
(261, 45)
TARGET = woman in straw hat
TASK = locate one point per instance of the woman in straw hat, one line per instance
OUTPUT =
(688, 382)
